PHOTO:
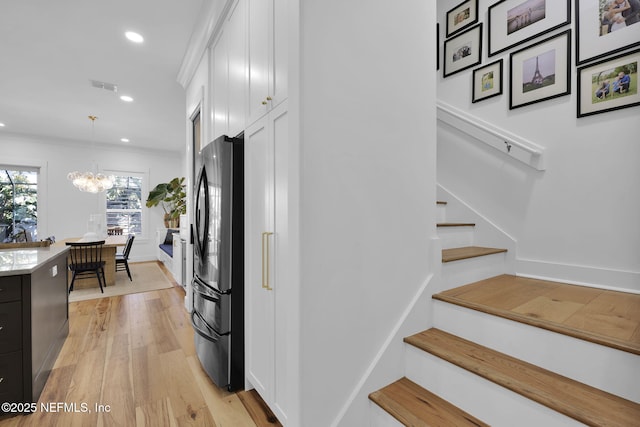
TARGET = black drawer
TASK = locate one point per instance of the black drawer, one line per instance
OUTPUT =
(10, 288)
(10, 327)
(11, 376)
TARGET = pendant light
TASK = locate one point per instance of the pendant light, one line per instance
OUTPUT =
(89, 181)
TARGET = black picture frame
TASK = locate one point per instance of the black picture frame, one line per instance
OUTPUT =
(594, 38)
(541, 71)
(462, 16)
(595, 98)
(437, 46)
(487, 81)
(514, 22)
(462, 51)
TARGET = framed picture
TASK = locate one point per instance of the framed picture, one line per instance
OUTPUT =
(463, 51)
(437, 46)
(540, 71)
(513, 22)
(610, 84)
(487, 81)
(462, 16)
(605, 27)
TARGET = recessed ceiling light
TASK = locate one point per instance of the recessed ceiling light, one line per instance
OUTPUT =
(134, 37)
(1, 125)
(124, 139)
(126, 98)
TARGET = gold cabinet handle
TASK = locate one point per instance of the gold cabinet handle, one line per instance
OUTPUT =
(269, 98)
(266, 261)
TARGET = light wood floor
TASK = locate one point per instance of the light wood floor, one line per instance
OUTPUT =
(134, 353)
(601, 316)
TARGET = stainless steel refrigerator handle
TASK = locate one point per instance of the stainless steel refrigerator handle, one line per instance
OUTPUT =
(266, 261)
(199, 330)
(204, 293)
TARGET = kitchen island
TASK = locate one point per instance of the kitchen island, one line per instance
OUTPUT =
(34, 319)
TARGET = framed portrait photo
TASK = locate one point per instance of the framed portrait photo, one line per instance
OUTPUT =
(605, 27)
(462, 16)
(437, 46)
(487, 81)
(610, 84)
(513, 22)
(540, 71)
(463, 51)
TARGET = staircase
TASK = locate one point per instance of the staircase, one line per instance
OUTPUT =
(511, 351)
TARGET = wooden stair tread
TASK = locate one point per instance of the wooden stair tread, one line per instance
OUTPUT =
(412, 405)
(600, 316)
(456, 254)
(455, 224)
(584, 403)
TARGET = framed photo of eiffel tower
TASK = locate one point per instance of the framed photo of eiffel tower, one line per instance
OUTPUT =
(540, 71)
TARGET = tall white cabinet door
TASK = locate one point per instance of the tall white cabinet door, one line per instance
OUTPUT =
(267, 56)
(228, 77)
(236, 55)
(266, 248)
(219, 87)
(259, 222)
(258, 56)
(285, 375)
(279, 54)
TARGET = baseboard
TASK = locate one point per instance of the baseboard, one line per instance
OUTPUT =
(593, 277)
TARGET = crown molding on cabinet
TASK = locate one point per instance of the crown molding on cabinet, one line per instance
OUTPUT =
(207, 28)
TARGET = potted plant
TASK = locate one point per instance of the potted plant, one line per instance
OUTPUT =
(173, 199)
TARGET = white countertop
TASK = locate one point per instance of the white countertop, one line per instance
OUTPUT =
(26, 261)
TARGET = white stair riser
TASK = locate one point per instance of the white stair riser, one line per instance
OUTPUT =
(441, 213)
(378, 417)
(596, 365)
(463, 272)
(456, 237)
(483, 399)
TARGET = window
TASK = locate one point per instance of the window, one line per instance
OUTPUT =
(18, 205)
(124, 203)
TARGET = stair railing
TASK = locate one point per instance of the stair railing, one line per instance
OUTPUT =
(511, 145)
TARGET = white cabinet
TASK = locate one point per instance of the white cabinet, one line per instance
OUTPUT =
(265, 259)
(267, 56)
(178, 255)
(228, 74)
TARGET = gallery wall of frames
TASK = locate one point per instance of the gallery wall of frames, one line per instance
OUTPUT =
(534, 48)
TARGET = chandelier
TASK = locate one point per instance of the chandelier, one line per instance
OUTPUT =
(89, 181)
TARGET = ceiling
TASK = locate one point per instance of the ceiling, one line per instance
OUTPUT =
(51, 50)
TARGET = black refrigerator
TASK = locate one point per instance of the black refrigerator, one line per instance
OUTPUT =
(218, 282)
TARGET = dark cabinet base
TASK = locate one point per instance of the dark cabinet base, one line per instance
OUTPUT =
(34, 324)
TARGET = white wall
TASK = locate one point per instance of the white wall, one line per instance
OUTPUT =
(578, 219)
(367, 187)
(64, 211)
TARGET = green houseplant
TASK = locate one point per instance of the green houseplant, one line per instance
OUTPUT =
(173, 199)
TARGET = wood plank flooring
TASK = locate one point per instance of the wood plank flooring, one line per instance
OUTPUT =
(134, 353)
(601, 316)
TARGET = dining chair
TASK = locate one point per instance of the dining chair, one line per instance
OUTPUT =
(114, 231)
(86, 260)
(122, 260)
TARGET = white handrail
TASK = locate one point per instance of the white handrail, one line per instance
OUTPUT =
(500, 139)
